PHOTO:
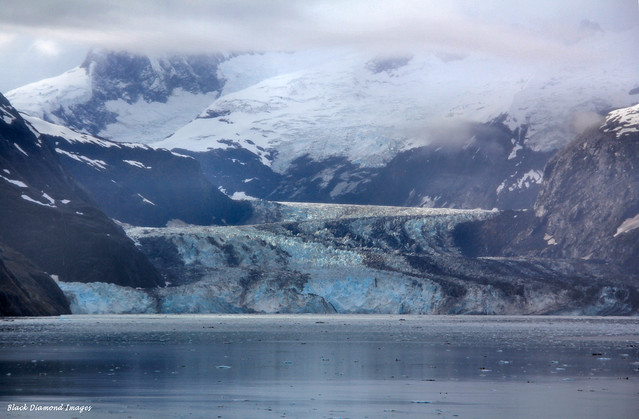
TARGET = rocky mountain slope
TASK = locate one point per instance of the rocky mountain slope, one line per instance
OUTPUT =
(50, 220)
(493, 169)
(27, 291)
(140, 185)
(588, 206)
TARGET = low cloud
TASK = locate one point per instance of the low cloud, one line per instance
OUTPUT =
(439, 132)
(582, 121)
(522, 31)
(543, 32)
(46, 47)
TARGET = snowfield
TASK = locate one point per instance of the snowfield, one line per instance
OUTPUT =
(340, 102)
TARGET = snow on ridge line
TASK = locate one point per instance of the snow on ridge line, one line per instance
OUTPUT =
(48, 94)
(622, 121)
(73, 136)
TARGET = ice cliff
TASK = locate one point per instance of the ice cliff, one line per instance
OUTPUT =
(319, 258)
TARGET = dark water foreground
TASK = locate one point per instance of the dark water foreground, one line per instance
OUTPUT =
(245, 366)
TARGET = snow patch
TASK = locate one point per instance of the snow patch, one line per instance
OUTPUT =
(48, 198)
(239, 196)
(137, 164)
(147, 122)
(29, 199)
(7, 118)
(628, 225)
(622, 121)
(17, 183)
(514, 151)
(501, 187)
(96, 164)
(20, 149)
(146, 201)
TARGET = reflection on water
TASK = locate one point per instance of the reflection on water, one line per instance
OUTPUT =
(321, 366)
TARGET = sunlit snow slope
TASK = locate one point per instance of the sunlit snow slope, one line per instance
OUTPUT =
(369, 108)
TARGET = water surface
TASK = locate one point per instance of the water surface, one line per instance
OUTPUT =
(273, 366)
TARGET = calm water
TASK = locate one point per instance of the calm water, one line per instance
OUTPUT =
(209, 366)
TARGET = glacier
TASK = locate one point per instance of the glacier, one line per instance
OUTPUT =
(329, 258)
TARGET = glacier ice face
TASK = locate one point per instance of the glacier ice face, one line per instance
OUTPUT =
(358, 260)
(103, 298)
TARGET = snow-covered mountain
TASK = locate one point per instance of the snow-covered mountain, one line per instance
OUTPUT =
(333, 125)
(124, 97)
(370, 108)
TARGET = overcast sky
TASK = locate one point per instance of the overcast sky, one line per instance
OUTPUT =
(42, 38)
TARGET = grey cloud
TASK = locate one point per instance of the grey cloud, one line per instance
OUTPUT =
(543, 30)
(500, 27)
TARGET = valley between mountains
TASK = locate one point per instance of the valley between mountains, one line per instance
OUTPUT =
(320, 183)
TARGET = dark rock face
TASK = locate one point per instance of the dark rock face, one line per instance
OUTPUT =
(236, 169)
(27, 291)
(143, 186)
(592, 187)
(585, 209)
(47, 217)
(120, 75)
(388, 64)
(493, 170)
